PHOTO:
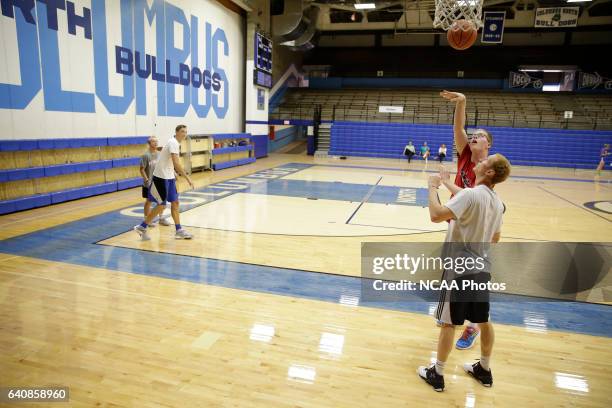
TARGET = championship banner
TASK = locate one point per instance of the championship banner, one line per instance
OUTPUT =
(493, 27)
(593, 80)
(524, 80)
(552, 17)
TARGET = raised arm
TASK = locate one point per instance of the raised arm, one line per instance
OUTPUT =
(445, 177)
(437, 212)
(461, 138)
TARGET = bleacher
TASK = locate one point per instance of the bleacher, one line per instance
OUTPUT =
(486, 108)
(523, 146)
(597, 108)
(36, 173)
(577, 149)
(386, 140)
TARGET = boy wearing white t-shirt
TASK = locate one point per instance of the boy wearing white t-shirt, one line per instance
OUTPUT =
(163, 185)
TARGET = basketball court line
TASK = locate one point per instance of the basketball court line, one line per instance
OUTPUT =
(338, 175)
(313, 235)
(363, 201)
(309, 186)
(574, 204)
(604, 185)
(603, 182)
(418, 232)
(593, 206)
(247, 212)
(422, 231)
(527, 239)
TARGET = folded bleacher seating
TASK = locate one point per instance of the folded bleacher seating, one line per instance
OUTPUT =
(577, 149)
(56, 171)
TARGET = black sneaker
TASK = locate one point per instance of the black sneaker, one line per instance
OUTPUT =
(483, 376)
(431, 377)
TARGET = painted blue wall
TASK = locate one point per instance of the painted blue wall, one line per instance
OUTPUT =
(261, 145)
(285, 136)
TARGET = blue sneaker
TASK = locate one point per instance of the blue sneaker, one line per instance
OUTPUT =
(467, 339)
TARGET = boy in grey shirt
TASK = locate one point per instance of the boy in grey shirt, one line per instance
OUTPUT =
(147, 165)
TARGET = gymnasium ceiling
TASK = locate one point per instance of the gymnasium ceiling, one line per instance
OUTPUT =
(341, 15)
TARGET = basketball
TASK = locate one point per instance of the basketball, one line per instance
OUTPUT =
(462, 34)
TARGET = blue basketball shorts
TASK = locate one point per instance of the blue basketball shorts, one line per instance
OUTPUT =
(163, 190)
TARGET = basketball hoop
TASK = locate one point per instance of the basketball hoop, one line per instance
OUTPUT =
(449, 11)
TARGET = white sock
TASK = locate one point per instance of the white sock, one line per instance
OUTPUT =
(439, 366)
(484, 362)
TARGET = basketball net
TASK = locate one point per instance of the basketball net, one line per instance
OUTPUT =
(449, 11)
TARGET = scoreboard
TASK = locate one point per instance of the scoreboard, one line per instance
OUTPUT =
(262, 74)
(261, 78)
(263, 53)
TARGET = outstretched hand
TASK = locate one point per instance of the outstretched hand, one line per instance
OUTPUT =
(434, 181)
(444, 173)
(453, 96)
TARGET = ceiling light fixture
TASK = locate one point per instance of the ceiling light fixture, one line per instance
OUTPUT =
(365, 6)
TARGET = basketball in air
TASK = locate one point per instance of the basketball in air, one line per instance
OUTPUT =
(462, 34)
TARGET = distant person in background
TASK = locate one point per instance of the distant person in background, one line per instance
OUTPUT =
(605, 152)
(442, 153)
(409, 150)
(425, 152)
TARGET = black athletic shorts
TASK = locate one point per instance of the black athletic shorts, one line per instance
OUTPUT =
(145, 192)
(471, 303)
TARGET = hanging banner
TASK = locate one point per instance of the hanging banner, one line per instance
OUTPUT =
(261, 99)
(493, 27)
(391, 109)
(587, 80)
(552, 17)
(524, 80)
